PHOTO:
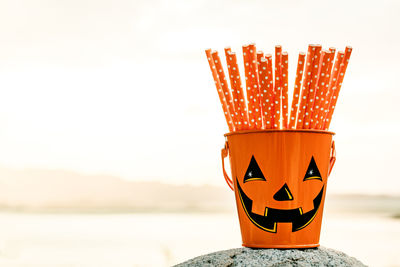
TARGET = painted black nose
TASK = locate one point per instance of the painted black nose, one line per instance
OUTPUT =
(283, 194)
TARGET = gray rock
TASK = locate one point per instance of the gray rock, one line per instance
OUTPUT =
(273, 257)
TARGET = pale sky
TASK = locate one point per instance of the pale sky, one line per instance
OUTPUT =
(124, 88)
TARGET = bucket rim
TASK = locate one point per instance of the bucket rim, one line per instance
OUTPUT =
(279, 130)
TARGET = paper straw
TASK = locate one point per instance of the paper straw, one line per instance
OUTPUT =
(225, 87)
(220, 91)
(243, 105)
(331, 88)
(312, 89)
(306, 84)
(237, 90)
(249, 91)
(285, 100)
(332, 60)
(296, 91)
(256, 86)
(319, 108)
(270, 90)
(277, 88)
(260, 55)
(338, 85)
(333, 100)
(252, 89)
(238, 118)
(321, 87)
(266, 93)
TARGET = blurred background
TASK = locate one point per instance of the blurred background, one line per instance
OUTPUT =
(111, 128)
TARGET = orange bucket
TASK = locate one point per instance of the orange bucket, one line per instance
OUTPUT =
(279, 179)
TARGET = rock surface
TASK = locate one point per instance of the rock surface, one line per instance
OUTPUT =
(273, 257)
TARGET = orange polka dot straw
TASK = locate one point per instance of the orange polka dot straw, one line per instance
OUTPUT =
(329, 78)
(249, 92)
(260, 55)
(266, 92)
(270, 90)
(256, 86)
(338, 85)
(296, 91)
(242, 99)
(237, 92)
(277, 88)
(347, 55)
(238, 120)
(250, 60)
(320, 89)
(331, 88)
(311, 90)
(220, 91)
(285, 100)
(224, 85)
(304, 90)
(319, 109)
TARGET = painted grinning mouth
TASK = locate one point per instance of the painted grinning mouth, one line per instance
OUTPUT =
(268, 221)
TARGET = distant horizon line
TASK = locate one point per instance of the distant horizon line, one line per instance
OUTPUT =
(167, 183)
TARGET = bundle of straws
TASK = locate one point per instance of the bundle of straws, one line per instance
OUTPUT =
(319, 77)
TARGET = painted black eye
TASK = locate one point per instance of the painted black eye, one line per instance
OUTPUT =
(312, 171)
(253, 172)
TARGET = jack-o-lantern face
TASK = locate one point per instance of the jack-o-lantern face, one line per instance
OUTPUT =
(279, 179)
(268, 221)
